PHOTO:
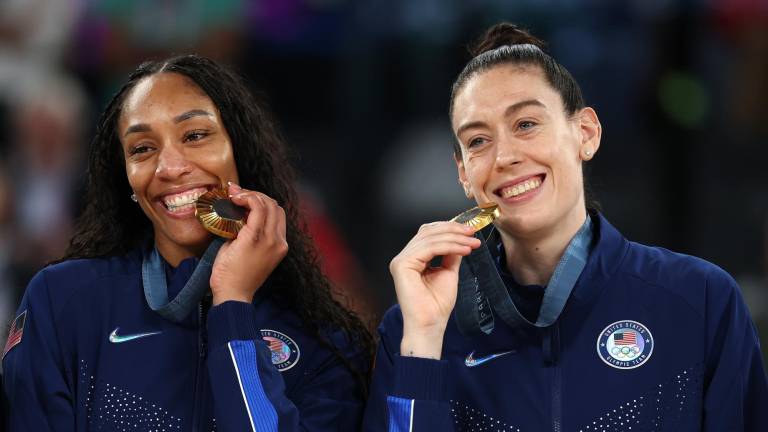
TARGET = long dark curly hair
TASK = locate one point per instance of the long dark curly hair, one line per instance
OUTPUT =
(111, 224)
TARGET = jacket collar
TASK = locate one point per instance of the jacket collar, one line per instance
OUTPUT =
(608, 252)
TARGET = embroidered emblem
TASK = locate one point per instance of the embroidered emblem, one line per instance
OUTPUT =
(116, 339)
(471, 361)
(625, 344)
(17, 331)
(285, 352)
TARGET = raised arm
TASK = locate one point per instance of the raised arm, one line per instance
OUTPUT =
(408, 390)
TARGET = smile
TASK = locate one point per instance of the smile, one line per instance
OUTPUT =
(183, 201)
(520, 188)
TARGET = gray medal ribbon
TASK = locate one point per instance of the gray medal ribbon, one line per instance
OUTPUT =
(482, 292)
(156, 287)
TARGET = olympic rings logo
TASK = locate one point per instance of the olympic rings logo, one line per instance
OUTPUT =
(628, 352)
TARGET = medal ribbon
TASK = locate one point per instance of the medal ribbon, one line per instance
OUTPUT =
(482, 291)
(156, 287)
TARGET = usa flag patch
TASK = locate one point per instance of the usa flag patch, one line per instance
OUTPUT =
(17, 331)
(625, 344)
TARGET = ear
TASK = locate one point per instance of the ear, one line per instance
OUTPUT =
(591, 132)
(463, 180)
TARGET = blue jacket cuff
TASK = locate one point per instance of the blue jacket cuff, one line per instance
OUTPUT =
(420, 378)
(232, 320)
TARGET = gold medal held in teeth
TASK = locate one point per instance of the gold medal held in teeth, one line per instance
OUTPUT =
(480, 216)
(219, 215)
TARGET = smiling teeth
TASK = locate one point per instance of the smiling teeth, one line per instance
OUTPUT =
(183, 201)
(521, 188)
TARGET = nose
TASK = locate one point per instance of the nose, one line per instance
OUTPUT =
(172, 163)
(508, 153)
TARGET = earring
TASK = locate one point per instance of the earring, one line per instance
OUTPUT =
(588, 154)
(133, 198)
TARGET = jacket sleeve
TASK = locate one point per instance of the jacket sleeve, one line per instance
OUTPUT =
(408, 394)
(250, 394)
(735, 384)
(36, 391)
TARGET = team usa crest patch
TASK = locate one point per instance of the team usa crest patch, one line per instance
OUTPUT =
(625, 344)
(16, 332)
(285, 352)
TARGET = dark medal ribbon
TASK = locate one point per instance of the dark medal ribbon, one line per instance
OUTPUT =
(156, 287)
(482, 292)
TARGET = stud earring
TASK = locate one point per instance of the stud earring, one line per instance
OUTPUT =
(133, 198)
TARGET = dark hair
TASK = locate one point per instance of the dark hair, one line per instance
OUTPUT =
(111, 224)
(505, 43)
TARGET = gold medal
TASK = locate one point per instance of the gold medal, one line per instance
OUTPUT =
(480, 216)
(219, 215)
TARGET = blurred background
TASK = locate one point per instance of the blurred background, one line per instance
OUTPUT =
(361, 90)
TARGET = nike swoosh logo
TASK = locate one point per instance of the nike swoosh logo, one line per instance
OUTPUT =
(115, 338)
(471, 361)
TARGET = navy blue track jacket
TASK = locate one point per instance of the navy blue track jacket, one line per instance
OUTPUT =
(94, 357)
(649, 340)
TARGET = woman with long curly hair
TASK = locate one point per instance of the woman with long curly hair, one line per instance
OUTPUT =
(147, 322)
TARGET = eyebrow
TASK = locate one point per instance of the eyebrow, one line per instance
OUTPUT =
(507, 112)
(189, 114)
(143, 127)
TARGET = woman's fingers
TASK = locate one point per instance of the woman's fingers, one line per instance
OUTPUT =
(452, 262)
(254, 222)
(281, 222)
(433, 242)
(266, 219)
(272, 220)
(246, 262)
(420, 259)
(449, 226)
(436, 242)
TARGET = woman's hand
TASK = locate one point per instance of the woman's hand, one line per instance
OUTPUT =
(243, 264)
(427, 294)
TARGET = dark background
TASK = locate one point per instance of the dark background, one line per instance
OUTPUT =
(361, 91)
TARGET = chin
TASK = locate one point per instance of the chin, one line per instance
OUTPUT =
(192, 239)
(200, 241)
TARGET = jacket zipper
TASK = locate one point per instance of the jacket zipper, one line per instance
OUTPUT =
(557, 392)
(202, 341)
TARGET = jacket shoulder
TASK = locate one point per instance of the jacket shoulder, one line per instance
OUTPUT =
(58, 283)
(658, 264)
(695, 280)
(87, 269)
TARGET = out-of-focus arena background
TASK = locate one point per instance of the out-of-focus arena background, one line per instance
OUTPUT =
(361, 90)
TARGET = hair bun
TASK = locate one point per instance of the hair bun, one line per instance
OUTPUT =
(503, 34)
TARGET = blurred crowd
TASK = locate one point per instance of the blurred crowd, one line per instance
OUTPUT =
(361, 89)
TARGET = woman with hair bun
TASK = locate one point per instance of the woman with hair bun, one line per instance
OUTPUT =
(549, 319)
(149, 323)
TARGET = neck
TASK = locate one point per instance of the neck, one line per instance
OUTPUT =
(175, 254)
(532, 259)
